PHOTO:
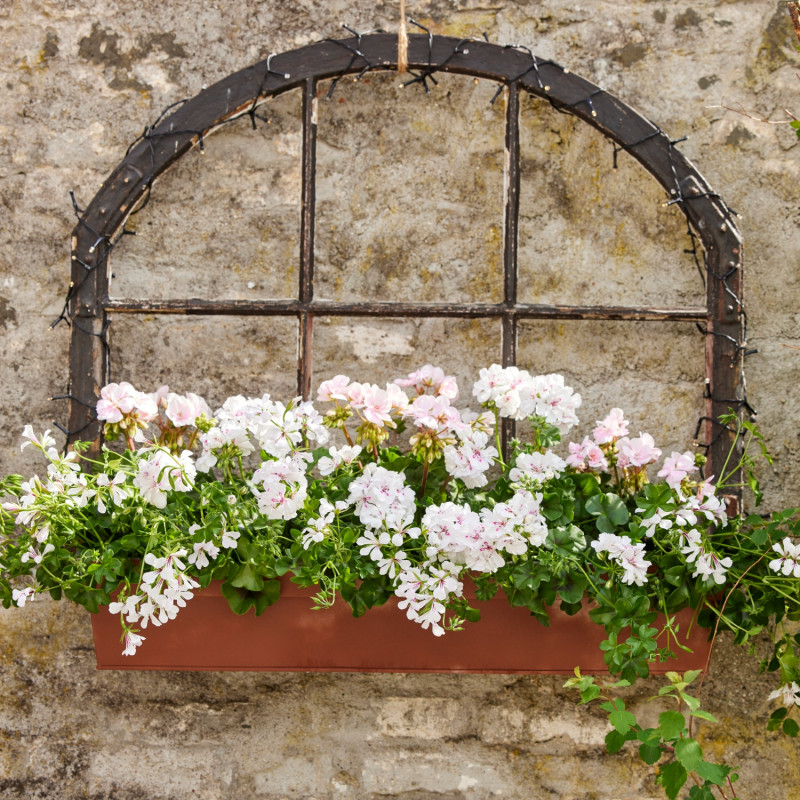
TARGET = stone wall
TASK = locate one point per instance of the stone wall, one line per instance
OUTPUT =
(409, 207)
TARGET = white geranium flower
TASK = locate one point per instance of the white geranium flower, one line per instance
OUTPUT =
(132, 641)
(789, 561)
(787, 693)
(202, 551)
(20, 596)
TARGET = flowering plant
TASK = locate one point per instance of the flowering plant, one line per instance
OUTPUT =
(415, 496)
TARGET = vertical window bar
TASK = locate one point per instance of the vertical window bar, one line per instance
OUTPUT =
(511, 237)
(307, 215)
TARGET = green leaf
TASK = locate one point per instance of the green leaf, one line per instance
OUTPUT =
(679, 597)
(282, 566)
(713, 773)
(700, 714)
(689, 753)
(691, 676)
(589, 693)
(759, 536)
(573, 591)
(791, 728)
(486, 590)
(552, 511)
(701, 793)
(267, 596)
(650, 753)
(692, 702)
(527, 575)
(614, 741)
(610, 511)
(566, 540)
(247, 578)
(675, 575)
(616, 510)
(672, 777)
(779, 713)
(789, 665)
(238, 599)
(622, 720)
(130, 542)
(247, 550)
(671, 724)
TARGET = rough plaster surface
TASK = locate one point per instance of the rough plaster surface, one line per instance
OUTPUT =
(410, 200)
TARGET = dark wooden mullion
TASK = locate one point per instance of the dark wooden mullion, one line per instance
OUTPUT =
(724, 356)
(88, 355)
(510, 244)
(307, 217)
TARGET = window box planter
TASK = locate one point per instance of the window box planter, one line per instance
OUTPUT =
(291, 637)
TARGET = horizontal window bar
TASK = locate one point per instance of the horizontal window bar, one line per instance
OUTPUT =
(321, 308)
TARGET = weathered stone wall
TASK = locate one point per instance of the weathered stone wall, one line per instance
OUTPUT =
(409, 206)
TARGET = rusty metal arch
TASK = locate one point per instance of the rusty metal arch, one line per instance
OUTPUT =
(515, 68)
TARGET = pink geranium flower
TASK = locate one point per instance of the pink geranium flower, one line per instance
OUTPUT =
(677, 467)
(637, 452)
(334, 389)
(613, 427)
(116, 399)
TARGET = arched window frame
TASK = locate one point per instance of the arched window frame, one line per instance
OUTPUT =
(128, 187)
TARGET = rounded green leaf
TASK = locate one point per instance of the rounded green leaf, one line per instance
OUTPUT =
(672, 777)
(614, 741)
(671, 724)
(689, 753)
(650, 753)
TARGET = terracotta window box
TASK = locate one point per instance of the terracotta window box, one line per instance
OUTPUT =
(291, 637)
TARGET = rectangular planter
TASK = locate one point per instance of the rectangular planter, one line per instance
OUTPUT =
(291, 637)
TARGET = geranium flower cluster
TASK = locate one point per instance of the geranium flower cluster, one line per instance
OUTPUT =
(611, 447)
(165, 590)
(517, 394)
(244, 425)
(683, 518)
(461, 436)
(788, 562)
(626, 554)
(128, 412)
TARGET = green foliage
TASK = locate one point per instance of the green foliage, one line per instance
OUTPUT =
(610, 511)
(669, 747)
(241, 598)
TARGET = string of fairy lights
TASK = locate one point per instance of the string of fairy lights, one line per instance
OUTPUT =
(154, 134)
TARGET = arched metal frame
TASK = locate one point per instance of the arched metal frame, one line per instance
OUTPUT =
(516, 68)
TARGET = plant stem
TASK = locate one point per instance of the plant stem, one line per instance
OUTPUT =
(347, 435)
(424, 479)
(592, 584)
